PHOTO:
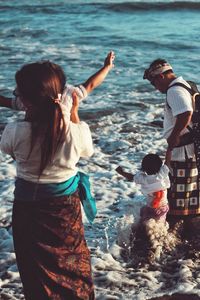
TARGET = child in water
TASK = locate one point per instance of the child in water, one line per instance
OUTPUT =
(154, 181)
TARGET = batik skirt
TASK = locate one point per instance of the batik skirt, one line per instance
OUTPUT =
(184, 195)
(51, 252)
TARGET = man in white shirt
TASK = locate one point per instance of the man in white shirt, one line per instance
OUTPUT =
(183, 195)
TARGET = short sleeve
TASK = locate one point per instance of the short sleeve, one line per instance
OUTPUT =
(67, 94)
(139, 177)
(82, 138)
(6, 144)
(81, 92)
(179, 100)
(87, 148)
(67, 97)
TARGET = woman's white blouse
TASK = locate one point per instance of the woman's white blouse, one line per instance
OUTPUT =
(16, 140)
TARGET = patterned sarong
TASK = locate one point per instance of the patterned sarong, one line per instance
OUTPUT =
(52, 255)
(183, 195)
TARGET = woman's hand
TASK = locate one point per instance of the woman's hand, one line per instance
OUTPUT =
(109, 60)
(97, 78)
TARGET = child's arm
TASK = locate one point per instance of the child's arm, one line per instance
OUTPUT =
(5, 102)
(74, 117)
(96, 79)
(128, 176)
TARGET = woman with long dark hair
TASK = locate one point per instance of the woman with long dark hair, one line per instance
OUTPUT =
(51, 251)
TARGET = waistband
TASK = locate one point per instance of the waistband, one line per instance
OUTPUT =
(31, 191)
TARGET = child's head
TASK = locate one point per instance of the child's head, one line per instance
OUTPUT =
(151, 164)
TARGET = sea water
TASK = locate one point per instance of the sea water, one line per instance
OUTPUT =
(125, 115)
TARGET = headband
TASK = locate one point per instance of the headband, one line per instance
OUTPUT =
(153, 71)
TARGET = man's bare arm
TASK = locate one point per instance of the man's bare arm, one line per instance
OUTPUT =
(182, 121)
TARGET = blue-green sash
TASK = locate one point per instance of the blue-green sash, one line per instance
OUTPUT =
(31, 191)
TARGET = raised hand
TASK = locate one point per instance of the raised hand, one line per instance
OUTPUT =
(110, 59)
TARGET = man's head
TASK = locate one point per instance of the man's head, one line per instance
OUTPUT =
(160, 74)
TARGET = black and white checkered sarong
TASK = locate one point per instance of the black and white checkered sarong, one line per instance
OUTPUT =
(184, 195)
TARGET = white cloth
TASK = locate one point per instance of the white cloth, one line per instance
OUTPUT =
(16, 140)
(154, 183)
(66, 97)
(179, 101)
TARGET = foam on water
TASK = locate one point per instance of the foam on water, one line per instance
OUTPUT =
(118, 203)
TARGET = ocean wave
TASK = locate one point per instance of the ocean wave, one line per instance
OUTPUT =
(160, 6)
(113, 6)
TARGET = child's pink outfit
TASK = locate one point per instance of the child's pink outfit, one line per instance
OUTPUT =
(154, 187)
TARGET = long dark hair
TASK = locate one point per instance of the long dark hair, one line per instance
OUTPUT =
(39, 85)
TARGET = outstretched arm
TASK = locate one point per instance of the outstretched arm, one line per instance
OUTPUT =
(96, 79)
(5, 101)
(128, 176)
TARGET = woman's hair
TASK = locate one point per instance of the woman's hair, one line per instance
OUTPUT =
(39, 85)
(151, 164)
